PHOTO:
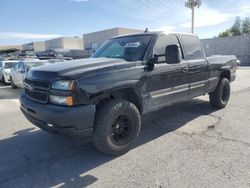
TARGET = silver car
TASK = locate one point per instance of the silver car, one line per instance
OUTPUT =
(5, 67)
(20, 70)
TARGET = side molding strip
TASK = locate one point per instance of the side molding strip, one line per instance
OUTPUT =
(169, 91)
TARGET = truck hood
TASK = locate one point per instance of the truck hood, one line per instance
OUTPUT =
(78, 68)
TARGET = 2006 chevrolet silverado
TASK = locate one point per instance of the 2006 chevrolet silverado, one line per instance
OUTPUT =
(104, 96)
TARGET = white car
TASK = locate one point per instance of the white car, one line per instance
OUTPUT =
(20, 70)
(5, 67)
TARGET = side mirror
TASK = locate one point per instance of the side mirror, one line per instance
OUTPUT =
(173, 54)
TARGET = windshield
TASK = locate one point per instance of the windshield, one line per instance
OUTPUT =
(36, 63)
(131, 48)
(9, 65)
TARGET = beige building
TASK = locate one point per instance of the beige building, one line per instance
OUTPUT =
(64, 43)
(39, 46)
(19, 47)
(89, 41)
(36, 46)
(95, 39)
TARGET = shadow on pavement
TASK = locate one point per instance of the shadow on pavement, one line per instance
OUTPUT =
(35, 158)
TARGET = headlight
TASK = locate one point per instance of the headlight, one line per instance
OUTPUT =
(61, 100)
(63, 85)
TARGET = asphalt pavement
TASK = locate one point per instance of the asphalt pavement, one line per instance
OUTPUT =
(185, 145)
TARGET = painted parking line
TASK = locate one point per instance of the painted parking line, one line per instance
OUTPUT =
(4, 87)
(15, 101)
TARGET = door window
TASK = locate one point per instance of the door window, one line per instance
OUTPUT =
(160, 46)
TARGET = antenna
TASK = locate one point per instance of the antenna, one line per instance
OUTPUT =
(146, 30)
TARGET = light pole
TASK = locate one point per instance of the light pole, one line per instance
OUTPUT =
(192, 4)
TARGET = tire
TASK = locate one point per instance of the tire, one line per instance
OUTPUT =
(13, 86)
(114, 118)
(220, 97)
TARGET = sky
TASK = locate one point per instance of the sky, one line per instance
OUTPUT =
(24, 21)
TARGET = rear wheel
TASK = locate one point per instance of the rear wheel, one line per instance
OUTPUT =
(117, 126)
(13, 86)
(220, 97)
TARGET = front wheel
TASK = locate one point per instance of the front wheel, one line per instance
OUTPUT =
(220, 97)
(117, 126)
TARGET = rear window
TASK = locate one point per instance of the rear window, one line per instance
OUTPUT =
(192, 46)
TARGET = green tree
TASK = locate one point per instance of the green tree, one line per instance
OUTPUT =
(8, 50)
(246, 26)
(226, 33)
(236, 28)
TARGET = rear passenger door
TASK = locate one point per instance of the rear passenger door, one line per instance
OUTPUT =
(197, 65)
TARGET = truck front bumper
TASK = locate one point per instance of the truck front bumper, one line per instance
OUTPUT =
(77, 121)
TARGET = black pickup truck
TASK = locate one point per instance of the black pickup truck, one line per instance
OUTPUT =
(128, 76)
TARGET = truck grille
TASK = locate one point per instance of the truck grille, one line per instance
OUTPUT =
(36, 95)
(37, 90)
(37, 84)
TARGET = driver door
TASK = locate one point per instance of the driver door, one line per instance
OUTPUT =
(166, 83)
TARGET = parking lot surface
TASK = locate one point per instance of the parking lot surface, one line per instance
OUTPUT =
(185, 145)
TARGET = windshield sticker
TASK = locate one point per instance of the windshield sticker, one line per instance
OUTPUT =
(133, 45)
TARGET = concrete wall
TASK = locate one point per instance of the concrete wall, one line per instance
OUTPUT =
(28, 46)
(36, 46)
(72, 43)
(66, 43)
(39, 46)
(99, 37)
(77, 54)
(234, 45)
(126, 31)
(54, 44)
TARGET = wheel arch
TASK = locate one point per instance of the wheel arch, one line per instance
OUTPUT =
(130, 94)
(226, 74)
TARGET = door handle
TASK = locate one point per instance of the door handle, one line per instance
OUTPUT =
(184, 69)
